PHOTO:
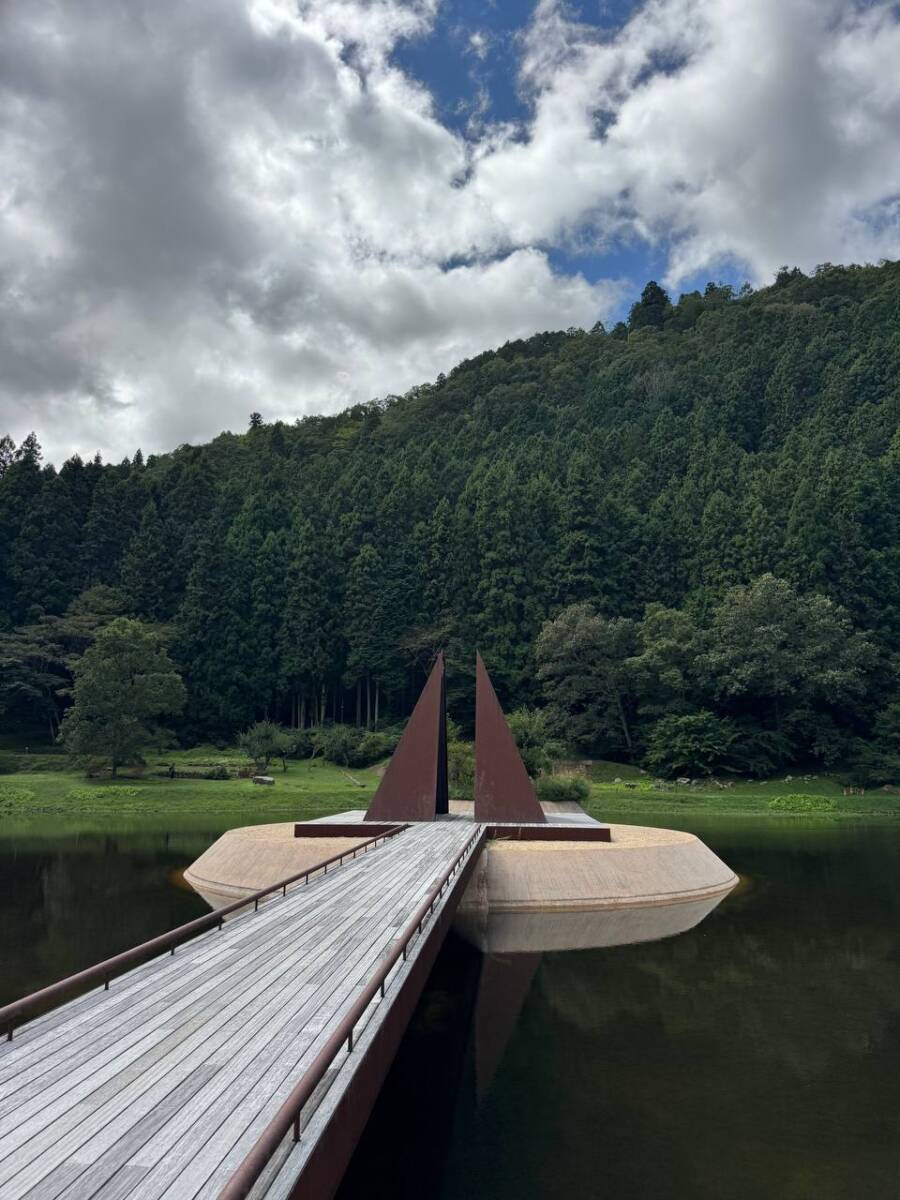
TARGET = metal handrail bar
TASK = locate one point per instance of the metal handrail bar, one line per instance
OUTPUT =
(12, 1014)
(288, 1116)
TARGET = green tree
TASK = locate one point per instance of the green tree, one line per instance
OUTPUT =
(123, 684)
(583, 661)
(265, 740)
(772, 651)
(307, 652)
(530, 729)
(146, 574)
(364, 627)
(651, 310)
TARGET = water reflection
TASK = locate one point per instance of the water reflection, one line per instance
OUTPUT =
(525, 933)
(754, 1055)
(70, 901)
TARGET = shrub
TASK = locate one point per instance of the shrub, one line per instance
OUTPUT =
(796, 802)
(336, 743)
(264, 741)
(89, 795)
(461, 770)
(12, 796)
(701, 743)
(372, 746)
(558, 789)
(529, 729)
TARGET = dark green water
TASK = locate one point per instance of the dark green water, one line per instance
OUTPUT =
(757, 1055)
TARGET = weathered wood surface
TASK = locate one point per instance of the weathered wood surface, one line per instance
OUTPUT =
(161, 1085)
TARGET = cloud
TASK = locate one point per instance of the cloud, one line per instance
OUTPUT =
(765, 133)
(225, 205)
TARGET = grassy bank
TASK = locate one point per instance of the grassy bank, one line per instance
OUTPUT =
(617, 790)
(43, 786)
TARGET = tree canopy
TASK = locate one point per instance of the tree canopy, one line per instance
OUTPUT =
(124, 682)
(681, 476)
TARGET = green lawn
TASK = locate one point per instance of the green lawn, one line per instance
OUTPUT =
(740, 796)
(42, 785)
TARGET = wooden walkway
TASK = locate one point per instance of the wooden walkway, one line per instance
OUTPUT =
(160, 1086)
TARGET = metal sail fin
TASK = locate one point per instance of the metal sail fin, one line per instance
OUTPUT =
(414, 786)
(503, 791)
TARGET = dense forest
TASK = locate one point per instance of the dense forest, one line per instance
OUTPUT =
(681, 530)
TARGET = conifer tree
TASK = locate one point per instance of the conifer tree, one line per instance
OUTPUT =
(146, 572)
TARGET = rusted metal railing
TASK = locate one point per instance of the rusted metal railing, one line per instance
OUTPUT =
(39, 1002)
(288, 1117)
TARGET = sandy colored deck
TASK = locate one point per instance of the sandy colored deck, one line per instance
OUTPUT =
(160, 1086)
(246, 859)
(639, 866)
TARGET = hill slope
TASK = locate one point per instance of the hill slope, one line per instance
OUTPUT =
(704, 445)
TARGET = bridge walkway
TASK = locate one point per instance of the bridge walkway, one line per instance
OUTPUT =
(160, 1086)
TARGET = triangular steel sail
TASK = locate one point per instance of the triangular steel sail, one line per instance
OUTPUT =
(503, 791)
(414, 786)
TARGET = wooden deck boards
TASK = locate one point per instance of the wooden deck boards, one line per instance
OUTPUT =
(159, 1087)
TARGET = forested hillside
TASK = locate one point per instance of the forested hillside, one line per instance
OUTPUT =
(678, 461)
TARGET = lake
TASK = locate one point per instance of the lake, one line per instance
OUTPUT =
(753, 1056)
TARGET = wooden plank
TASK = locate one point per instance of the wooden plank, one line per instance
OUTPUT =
(362, 900)
(148, 977)
(213, 1149)
(281, 1181)
(200, 1039)
(253, 1130)
(196, 1069)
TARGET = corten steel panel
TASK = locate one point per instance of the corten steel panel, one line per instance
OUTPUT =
(341, 829)
(414, 787)
(551, 833)
(503, 791)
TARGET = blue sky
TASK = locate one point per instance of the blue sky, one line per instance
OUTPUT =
(209, 207)
(461, 80)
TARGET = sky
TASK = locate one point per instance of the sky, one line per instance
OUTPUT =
(211, 207)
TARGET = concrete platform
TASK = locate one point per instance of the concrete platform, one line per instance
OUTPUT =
(639, 868)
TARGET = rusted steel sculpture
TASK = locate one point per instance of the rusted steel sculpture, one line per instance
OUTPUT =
(503, 791)
(414, 787)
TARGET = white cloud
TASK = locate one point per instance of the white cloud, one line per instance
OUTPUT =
(765, 132)
(221, 205)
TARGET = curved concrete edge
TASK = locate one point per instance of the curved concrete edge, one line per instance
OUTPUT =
(251, 857)
(640, 866)
(517, 932)
(523, 895)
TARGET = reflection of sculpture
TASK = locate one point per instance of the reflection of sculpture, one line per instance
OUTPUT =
(498, 932)
(513, 944)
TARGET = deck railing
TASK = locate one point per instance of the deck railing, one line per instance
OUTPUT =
(289, 1116)
(39, 1002)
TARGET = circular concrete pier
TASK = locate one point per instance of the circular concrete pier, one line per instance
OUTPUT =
(640, 867)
